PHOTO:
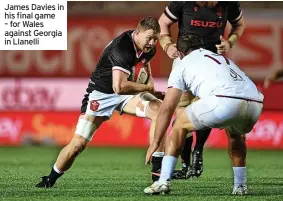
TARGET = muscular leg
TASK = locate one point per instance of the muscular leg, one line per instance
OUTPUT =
(174, 145)
(187, 148)
(69, 153)
(237, 151)
(173, 148)
(196, 169)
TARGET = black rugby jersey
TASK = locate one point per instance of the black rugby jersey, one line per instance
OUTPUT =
(120, 54)
(207, 23)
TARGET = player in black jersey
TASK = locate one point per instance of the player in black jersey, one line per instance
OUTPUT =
(111, 88)
(206, 19)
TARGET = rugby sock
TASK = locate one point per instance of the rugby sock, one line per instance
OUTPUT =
(168, 166)
(156, 161)
(201, 136)
(187, 150)
(55, 174)
(239, 176)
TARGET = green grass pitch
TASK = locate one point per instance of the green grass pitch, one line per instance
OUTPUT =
(111, 174)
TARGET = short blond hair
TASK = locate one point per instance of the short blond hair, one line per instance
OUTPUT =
(148, 23)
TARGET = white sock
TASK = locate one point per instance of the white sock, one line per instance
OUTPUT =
(158, 154)
(239, 176)
(168, 166)
(57, 170)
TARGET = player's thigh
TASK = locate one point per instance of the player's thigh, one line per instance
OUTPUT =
(143, 105)
(184, 122)
(187, 98)
(97, 110)
(249, 118)
(205, 113)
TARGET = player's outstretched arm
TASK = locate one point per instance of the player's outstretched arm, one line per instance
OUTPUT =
(164, 116)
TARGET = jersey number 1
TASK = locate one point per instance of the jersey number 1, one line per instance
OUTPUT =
(233, 74)
(217, 61)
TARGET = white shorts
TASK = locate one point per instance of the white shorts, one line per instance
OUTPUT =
(103, 105)
(238, 115)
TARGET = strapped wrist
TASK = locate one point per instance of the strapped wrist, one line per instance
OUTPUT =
(166, 47)
(232, 39)
(165, 40)
(230, 43)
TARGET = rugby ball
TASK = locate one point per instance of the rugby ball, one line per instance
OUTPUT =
(140, 73)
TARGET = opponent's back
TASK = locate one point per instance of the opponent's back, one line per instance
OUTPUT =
(206, 73)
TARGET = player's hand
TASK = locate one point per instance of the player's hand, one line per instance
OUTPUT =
(152, 148)
(150, 87)
(223, 47)
(172, 51)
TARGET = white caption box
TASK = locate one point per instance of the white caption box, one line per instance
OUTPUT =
(33, 25)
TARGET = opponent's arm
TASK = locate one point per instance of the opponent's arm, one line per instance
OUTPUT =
(164, 116)
(166, 111)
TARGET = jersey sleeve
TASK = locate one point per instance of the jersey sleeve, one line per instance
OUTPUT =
(120, 60)
(234, 12)
(174, 10)
(176, 77)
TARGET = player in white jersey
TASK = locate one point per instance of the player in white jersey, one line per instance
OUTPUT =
(228, 100)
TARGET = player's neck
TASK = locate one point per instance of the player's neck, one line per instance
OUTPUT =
(182, 55)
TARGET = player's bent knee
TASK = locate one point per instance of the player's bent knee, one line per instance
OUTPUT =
(185, 122)
(148, 106)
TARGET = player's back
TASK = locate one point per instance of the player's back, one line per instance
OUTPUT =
(208, 73)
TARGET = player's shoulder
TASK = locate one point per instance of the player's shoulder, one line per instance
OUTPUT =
(176, 63)
(123, 44)
(194, 55)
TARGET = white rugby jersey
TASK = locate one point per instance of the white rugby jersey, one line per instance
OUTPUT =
(205, 73)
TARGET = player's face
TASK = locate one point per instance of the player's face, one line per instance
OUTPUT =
(147, 40)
